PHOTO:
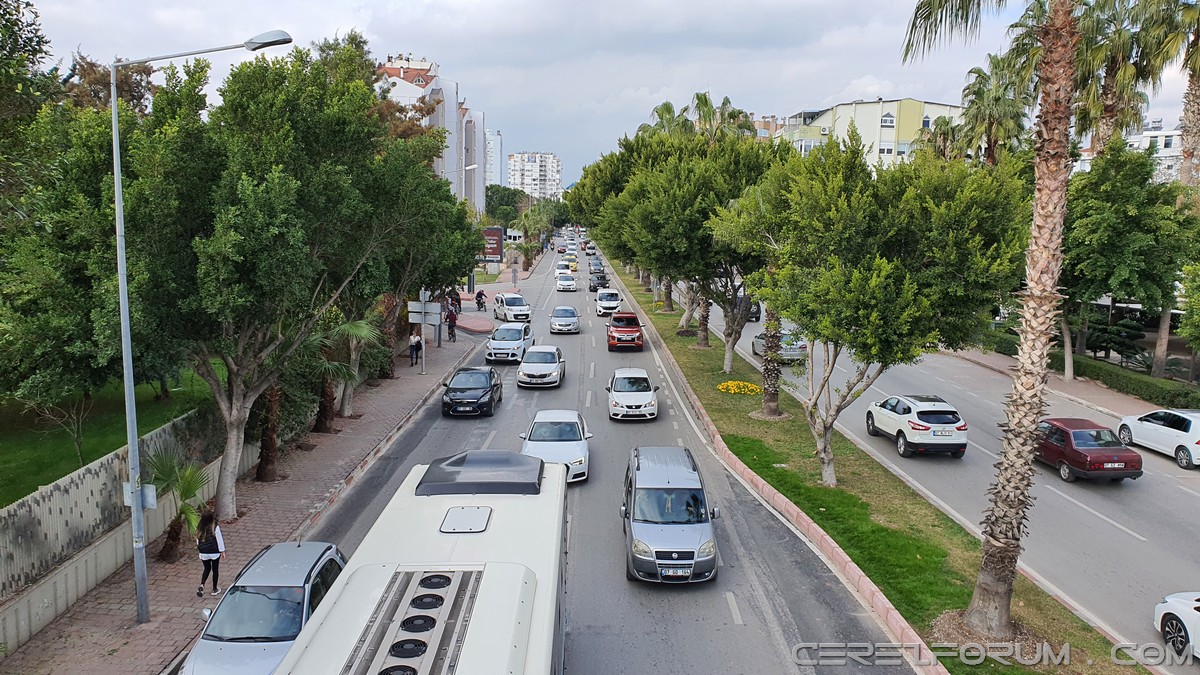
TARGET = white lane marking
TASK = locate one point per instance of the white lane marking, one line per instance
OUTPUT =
(592, 370)
(588, 402)
(593, 342)
(534, 402)
(678, 441)
(984, 450)
(1096, 513)
(674, 424)
(672, 411)
(971, 393)
(733, 608)
(939, 379)
(489, 440)
(1192, 492)
(546, 302)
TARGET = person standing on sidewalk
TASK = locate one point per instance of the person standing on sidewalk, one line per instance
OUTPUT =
(414, 347)
(451, 323)
(211, 546)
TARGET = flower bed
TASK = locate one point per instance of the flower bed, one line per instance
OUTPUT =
(738, 387)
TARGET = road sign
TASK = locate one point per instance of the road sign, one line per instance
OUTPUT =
(425, 312)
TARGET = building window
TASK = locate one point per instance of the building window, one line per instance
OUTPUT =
(806, 146)
(925, 122)
(419, 80)
(901, 149)
(886, 148)
(1167, 141)
(888, 121)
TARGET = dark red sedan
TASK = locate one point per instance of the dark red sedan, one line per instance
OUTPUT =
(1080, 448)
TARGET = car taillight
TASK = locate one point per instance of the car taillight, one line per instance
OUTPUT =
(1095, 466)
(961, 427)
(918, 427)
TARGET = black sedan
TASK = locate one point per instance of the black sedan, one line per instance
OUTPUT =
(597, 281)
(473, 391)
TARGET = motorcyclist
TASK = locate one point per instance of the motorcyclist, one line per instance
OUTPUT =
(481, 300)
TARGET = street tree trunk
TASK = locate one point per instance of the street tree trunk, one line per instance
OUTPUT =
(1004, 521)
(268, 452)
(1159, 369)
(771, 369)
(347, 405)
(1068, 361)
(235, 434)
(702, 329)
(668, 293)
(164, 387)
(325, 405)
(735, 321)
(1082, 338)
(821, 409)
(689, 305)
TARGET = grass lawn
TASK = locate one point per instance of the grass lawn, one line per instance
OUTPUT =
(923, 561)
(33, 454)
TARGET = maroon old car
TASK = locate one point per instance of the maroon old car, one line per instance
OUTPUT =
(1081, 448)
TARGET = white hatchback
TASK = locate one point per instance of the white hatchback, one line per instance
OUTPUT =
(565, 282)
(631, 395)
(1171, 432)
(607, 301)
(559, 436)
(919, 423)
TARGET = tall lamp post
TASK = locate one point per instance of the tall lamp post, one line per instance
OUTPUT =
(268, 39)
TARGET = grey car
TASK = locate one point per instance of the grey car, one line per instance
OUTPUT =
(264, 609)
(791, 347)
(669, 536)
(564, 319)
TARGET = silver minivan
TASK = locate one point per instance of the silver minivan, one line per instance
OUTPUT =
(666, 518)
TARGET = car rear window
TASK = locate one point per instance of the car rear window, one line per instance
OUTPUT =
(514, 301)
(939, 417)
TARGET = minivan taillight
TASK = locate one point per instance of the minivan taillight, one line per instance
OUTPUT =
(918, 427)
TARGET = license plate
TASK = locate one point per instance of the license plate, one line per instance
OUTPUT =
(677, 572)
(943, 433)
(463, 408)
(1114, 465)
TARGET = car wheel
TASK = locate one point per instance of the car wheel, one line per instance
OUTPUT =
(1125, 434)
(1065, 472)
(902, 446)
(754, 348)
(1175, 634)
(445, 413)
(491, 410)
(958, 454)
(610, 348)
(871, 430)
(1183, 457)
(641, 348)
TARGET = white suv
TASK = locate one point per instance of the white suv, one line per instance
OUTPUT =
(631, 395)
(607, 301)
(919, 423)
(509, 342)
(1171, 432)
(511, 307)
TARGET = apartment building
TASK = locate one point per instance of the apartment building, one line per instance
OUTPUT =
(1167, 144)
(493, 170)
(888, 126)
(538, 174)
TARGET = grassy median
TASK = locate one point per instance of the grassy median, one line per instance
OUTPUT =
(922, 560)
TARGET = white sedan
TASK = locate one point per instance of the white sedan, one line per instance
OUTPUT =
(1177, 617)
(631, 395)
(565, 282)
(543, 366)
(559, 436)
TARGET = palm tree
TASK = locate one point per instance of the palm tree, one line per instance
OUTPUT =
(994, 114)
(171, 472)
(666, 120)
(944, 137)
(1110, 71)
(713, 121)
(1171, 29)
(1005, 520)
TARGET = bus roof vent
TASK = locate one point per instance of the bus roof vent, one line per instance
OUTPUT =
(482, 472)
(466, 519)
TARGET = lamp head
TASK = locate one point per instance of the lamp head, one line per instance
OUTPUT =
(471, 166)
(270, 38)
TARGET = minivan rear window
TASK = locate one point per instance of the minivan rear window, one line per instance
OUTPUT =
(939, 417)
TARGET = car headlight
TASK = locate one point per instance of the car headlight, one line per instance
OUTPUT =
(579, 462)
(652, 404)
(446, 398)
(616, 404)
(708, 549)
(521, 373)
(641, 550)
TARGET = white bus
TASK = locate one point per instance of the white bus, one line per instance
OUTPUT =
(464, 572)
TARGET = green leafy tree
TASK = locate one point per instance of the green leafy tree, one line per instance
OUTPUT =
(504, 203)
(24, 87)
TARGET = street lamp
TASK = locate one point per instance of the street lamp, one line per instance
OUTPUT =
(134, 493)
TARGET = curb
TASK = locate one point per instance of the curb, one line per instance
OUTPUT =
(322, 509)
(854, 576)
(1070, 397)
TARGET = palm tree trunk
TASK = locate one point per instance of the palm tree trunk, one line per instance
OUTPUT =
(268, 452)
(771, 369)
(702, 329)
(1191, 125)
(1005, 519)
(324, 424)
(1106, 126)
(1068, 360)
(169, 552)
(347, 405)
(1159, 369)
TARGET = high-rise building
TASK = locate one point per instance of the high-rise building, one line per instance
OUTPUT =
(538, 174)
(494, 173)
(888, 127)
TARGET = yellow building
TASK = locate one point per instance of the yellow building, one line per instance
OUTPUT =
(888, 126)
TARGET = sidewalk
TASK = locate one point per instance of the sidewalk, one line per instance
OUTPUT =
(1083, 392)
(100, 634)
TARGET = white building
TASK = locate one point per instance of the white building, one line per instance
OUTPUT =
(538, 174)
(494, 170)
(888, 127)
(1167, 144)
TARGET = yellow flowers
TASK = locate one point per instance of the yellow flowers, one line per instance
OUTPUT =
(738, 387)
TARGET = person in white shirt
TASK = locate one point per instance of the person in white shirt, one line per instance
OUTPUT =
(211, 546)
(414, 348)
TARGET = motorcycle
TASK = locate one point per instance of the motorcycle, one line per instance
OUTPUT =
(480, 304)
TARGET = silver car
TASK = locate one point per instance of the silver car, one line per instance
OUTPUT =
(564, 319)
(543, 366)
(559, 436)
(791, 347)
(262, 612)
(666, 518)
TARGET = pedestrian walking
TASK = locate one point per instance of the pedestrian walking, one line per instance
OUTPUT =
(451, 323)
(211, 546)
(414, 347)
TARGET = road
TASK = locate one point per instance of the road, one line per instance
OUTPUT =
(772, 593)
(1113, 549)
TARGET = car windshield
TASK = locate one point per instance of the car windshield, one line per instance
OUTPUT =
(473, 380)
(566, 277)
(258, 614)
(540, 357)
(938, 417)
(626, 384)
(565, 313)
(608, 297)
(1096, 438)
(625, 322)
(669, 506)
(514, 301)
(555, 431)
(507, 334)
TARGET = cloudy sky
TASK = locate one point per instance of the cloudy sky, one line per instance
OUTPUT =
(572, 76)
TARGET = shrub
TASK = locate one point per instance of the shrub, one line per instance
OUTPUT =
(1165, 393)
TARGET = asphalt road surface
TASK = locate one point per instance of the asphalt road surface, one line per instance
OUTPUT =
(1113, 549)
(773, 591)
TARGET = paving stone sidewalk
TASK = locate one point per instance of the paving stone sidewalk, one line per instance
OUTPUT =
(99, 635)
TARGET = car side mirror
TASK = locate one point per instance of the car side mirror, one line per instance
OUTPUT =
(206, 613)
(608, 389)
(521, 436)
(624, 512)
(588, 435)
(608, 324)
(445, 384)
(656, 387)
(716, 513)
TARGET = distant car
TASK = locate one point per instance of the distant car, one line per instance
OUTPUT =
(1177, 618)
(561, 248)
(1171, 432)
(595, 266)
(511, 307)
(625, 330)
(559, 436)
(473, 391)
(631, 395)
(543, 366)
(265, 608)
(597, 281)
(607, 301)
(565, 282)
(574, 265)
(562, 267)
(1080, 448)
(791, 347)
(564, 319)
(919, 423)
(509, 342)
(590, 249)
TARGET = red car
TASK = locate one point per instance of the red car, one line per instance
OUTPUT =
(1080, 448)
(562, 248)
(624, 330)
